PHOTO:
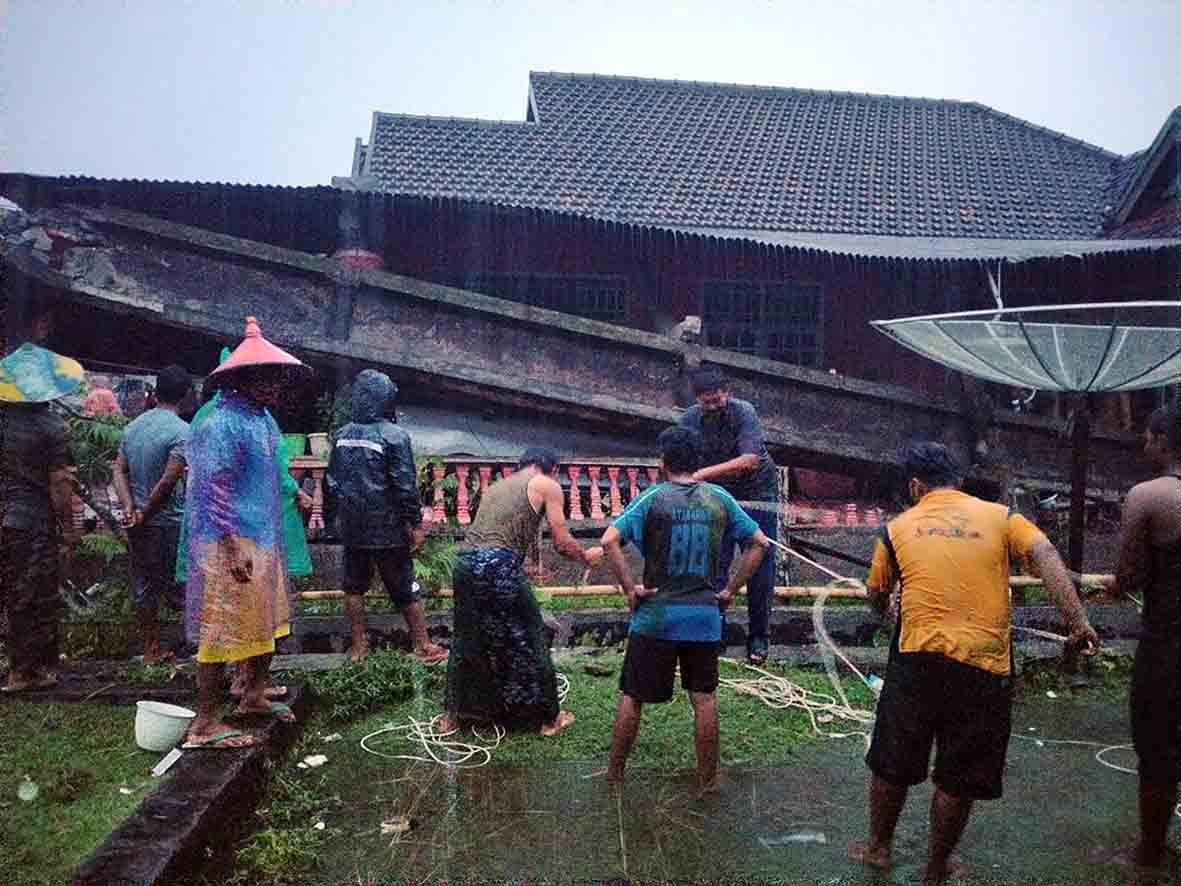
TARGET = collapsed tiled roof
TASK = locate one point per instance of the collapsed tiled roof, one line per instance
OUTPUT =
(703, 155)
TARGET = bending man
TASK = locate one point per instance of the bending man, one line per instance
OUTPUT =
(734, 457)
(500, 668)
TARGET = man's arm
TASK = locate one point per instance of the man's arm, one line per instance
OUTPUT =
(728, 470)
(612, 543)
(173, 471)
(882, 578)
(121, 480)
(564, 543)
(1048, 566)
(747, 457)
(748, 565)
(1132, 573)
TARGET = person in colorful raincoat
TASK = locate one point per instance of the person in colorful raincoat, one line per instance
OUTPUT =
(236, 601)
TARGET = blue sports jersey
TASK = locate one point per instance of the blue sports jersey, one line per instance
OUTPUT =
(680, 528)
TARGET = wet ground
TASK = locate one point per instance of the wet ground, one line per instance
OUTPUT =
(1062, 817)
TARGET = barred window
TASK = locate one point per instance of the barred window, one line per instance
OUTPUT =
(781, 320)
(585, 295)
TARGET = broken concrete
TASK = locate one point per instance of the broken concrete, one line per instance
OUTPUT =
(466, 346)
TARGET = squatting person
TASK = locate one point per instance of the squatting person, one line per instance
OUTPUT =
(681, 527)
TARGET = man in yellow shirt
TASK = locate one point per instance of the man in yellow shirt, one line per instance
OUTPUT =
(949, 677)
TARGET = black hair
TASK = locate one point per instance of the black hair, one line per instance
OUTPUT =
(1167, 421)
(172, 384)
(709, 378)
(545, 459)
(680, 449)
(932, 463)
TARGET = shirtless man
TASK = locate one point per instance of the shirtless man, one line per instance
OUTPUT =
(1150, 564)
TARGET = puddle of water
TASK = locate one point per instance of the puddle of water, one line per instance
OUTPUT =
(1061, 810)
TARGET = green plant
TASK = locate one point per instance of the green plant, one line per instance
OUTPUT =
(385, 677)
(94, 443)
(278, 857)
(434, 564)
(102, 544)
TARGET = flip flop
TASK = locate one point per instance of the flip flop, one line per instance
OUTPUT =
(281, 712)
(215, 743)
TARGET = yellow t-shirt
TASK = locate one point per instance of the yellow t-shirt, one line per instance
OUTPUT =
(953, 552)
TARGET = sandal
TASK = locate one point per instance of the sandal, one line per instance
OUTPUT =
(222, 742)
(280, 711)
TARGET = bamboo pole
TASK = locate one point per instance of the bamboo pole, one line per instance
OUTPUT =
(1016, 581)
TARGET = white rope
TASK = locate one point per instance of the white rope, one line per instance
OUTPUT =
(438, 747)
(779, 693)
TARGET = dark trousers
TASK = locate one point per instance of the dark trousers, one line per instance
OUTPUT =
(30, 566)
(761, 589)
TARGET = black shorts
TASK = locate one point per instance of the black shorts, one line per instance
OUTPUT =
(650, 664)
(153, 565)
(965, 711)
(396, 568)
(1156, 709)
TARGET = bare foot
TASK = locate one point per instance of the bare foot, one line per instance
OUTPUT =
(613, 776)
(938, 878)
(431, 653)
(1145, 864)
(19, 682)
(712, 786)
(447, 723)
(154, 656)
(872, 856)
(563, 720)
(358, 651)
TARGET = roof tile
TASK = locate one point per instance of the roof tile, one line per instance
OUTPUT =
(766, 158)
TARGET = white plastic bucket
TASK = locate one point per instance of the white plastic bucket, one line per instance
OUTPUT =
(159, 726)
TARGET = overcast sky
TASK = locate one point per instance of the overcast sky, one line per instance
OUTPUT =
(275, 92)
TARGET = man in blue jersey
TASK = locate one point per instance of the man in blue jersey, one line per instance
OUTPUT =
(680, 527)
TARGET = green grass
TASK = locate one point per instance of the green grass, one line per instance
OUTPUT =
(751, 730)
(79, 756)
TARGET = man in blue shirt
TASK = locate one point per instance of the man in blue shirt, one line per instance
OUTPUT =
(734, 456)
(148, 479)
(680, 527)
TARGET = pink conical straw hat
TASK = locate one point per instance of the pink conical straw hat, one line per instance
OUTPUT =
(256, 351)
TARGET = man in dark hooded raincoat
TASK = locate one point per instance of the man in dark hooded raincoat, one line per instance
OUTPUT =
(371, 491)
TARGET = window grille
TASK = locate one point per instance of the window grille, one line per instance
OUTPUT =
(776, 320)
